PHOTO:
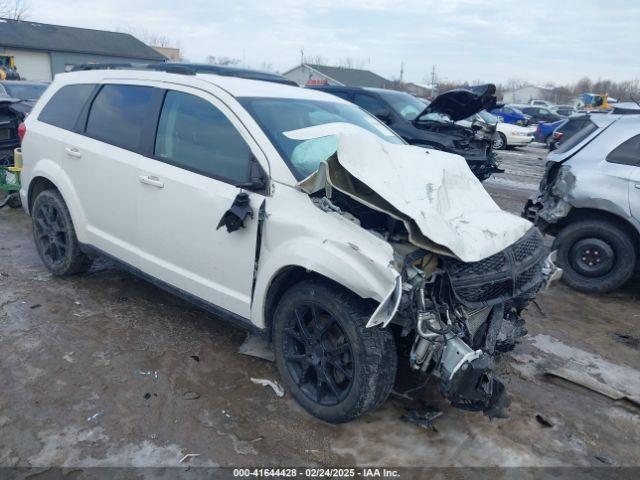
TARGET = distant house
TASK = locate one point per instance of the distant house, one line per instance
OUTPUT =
(313, 75)
(171, 53)
(525, 94)
(41, 50)
(421, 89)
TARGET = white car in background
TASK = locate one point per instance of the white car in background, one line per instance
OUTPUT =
(507, 135)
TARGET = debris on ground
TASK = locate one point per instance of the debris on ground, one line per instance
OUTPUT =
(195, 358)
(257, 346)
(95, 416)
(603, 459)
(628, 339)
(147, 396)
(277, 388)
(191, 395)
(33, 307)
(584, 379)
(543, 421)
(188, 456)
(148, 373)
(423, 417)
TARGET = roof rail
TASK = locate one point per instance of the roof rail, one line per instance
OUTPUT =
(190, 69)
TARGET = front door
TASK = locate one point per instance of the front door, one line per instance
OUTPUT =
(185, 187)
(634, 192)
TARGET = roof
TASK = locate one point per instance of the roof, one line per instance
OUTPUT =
(236, 87)
(42, 36)
(352, 76)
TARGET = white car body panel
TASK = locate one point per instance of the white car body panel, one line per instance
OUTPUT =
(515, 134)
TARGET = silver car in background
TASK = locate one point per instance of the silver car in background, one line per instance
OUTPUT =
(589, 199)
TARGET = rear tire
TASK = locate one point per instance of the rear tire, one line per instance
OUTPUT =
(335, 367)
(55, 236)
(596, 256)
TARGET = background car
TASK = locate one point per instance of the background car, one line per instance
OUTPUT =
(541, 114)
(23, 89)
(507, 135)
(510, 114)
(626, 108)
(432, 125)
(544, 131)
(563, 110)
(589, 200)
(541, 103)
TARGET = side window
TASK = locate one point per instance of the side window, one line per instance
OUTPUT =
(343, 95)
(369, 103)
(195, 135)
(118, 115)
(626, 154)
(64, 107)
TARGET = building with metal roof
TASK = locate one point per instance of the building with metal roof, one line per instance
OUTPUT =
(41, 50)
(308, 74)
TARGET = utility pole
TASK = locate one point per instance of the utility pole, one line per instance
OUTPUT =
(301, 56)
(401, 71)
(433, 81)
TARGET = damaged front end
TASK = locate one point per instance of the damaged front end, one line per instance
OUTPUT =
(466, 269)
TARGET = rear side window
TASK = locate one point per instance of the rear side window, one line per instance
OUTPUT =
(571, 137)
(118, 115)
(64, 107)
(626, 154)
(194, 135)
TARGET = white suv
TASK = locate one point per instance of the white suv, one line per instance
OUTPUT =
(293, 213)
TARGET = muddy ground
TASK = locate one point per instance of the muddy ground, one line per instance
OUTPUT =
(105, 369)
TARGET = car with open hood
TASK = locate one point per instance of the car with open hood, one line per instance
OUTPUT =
(433, 125)
(292, 213)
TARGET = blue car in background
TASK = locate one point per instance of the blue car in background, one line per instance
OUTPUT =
(509, 114)
(544, 132)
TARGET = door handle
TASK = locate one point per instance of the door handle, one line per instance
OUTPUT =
(637, 185)
(73, 152)
(151, 180)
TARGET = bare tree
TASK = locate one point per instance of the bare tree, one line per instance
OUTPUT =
(267, 67)
(352, 63)
(315, 60)
(14, 9)
(226, 61)
(150, 38)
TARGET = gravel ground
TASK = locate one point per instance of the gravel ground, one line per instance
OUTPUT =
(105, 369)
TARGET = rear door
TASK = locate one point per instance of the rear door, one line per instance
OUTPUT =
(101, 160)
(185, 185)
(628, 153)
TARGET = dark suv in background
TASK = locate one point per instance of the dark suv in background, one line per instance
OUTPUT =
(432, 125)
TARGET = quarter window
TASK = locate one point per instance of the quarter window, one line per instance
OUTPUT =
(119, 113)
(195, 135)
(626, 154)
(64, 107)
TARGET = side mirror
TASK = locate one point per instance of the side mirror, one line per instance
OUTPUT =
(257, 179)
(384, 115)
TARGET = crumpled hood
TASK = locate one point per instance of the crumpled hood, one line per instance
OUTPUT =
(461, 103)
(443, 205)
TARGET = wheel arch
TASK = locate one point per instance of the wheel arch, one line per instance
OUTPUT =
(581, 214)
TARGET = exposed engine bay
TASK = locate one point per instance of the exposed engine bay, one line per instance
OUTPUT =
(457, 317)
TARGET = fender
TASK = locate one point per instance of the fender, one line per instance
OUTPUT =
(53, 172)
(298, 233)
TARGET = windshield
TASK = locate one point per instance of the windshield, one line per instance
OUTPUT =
(488, 117)
(24, 91)
(405, 105)
(278, 115)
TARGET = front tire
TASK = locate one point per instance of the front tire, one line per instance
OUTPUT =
(55, 236)
(335, 367)
(596, 256)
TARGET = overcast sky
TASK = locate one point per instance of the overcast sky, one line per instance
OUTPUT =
(540, 41)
